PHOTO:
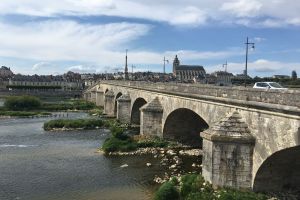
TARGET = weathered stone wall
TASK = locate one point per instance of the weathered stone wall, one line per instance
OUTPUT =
(109, 104)
(123, 110)
(93, 97)
(275, 127)
(151, 123)
(100, 98)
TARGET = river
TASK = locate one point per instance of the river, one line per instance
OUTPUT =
(39, 165)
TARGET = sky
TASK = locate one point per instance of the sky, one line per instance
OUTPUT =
(91, 36)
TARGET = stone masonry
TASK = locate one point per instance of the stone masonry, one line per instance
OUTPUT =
(228, 150)
(230, 156)
(109, 103)
(151, 118)
(100, 98)
(123, 109)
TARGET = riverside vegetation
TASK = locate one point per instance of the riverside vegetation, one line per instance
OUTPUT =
(27, 106)
(70, 124)
(194, 187)
(177, 186)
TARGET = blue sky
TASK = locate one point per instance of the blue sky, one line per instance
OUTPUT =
(54, 36)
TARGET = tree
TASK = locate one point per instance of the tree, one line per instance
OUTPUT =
(294, 75)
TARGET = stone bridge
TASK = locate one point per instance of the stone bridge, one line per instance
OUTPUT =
(250, 138)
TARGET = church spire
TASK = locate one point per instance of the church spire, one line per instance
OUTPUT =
(126, 67)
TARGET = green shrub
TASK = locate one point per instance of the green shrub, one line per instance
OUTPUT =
(115, 144)
(228, 194)
(71, 105)
(18, 103)
(194, 187)
(167, 192)
(73, 123)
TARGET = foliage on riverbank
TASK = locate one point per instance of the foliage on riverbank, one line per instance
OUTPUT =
(122, 142)
(73, 124)
(194, 187)
(22, 103)
(69, 105)
(23, 113)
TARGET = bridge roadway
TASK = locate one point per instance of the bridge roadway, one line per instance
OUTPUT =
(250, 138)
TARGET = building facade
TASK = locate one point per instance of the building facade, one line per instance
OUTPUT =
(49, 82)
(223, 78)
(187, 72)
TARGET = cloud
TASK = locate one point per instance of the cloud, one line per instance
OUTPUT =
(68, 40)
(260, 66)
(82, 69)
(41, 65)
(253, 13)
(242, 8)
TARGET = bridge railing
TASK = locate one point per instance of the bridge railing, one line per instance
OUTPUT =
(288, 97)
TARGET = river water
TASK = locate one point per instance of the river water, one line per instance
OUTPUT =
(38, 165)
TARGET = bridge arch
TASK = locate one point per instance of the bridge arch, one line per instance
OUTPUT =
(279, 172)
(135, 111)
(184, 125)
(116, 98)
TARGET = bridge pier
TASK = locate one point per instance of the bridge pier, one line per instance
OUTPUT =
(123, 108)
(109, 103)
(93, 96)
(228, 153)
(151, 118)
(100, 98)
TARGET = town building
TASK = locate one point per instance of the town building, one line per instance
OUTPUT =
(66, 82)
(5, 72)
(281, 76)
(223, 78)
(187, 72)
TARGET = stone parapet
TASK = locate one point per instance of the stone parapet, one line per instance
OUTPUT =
(287, 97)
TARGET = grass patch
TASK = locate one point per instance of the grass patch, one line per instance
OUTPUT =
(73, 124)
(194, 187)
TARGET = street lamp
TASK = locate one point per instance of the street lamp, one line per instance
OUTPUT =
(165, 64)
(246, 67)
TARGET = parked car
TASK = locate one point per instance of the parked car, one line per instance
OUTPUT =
(268, 85)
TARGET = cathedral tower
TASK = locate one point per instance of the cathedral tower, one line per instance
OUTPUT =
(176, 64)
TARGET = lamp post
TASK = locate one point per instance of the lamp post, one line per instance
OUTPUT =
(246, 67)
(165, 64)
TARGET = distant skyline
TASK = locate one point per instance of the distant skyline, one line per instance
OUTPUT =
(90, 36)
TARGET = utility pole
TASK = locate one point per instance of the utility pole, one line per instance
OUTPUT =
(165, 64)
(132, 66)
(246, 67)
(225, 65)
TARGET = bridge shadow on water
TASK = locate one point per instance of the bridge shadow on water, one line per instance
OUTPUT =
(184, 125)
